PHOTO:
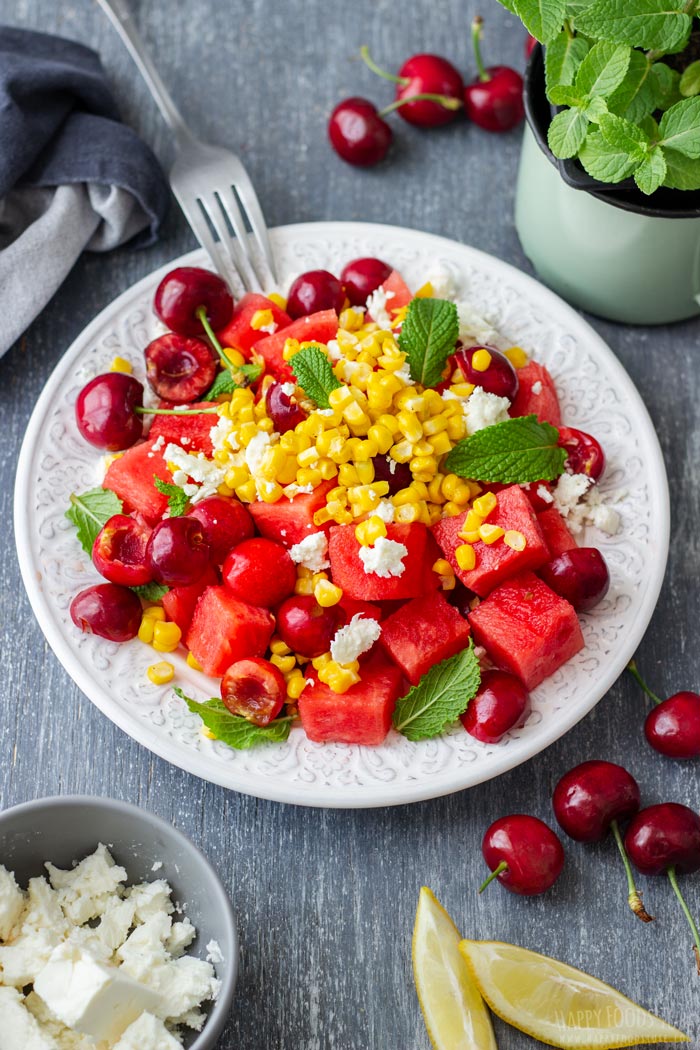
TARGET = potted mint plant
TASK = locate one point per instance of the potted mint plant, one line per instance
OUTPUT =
(608, 197)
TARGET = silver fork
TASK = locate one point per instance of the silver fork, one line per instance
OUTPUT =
(211, 185)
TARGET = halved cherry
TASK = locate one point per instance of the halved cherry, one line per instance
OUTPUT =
(488, 368)
(306, 627)
(584, 453)
(178, 368)
(185, 293)
(254, 689)
(108, 610)
(119, 551)
(226, 523)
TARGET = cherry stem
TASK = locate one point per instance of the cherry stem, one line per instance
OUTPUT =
(634, 897)
(477, 29)
(634, 671)
(494, 875)
(443, 100)
(371, 64)
(174, 411)
(671, 872)
(201, 315)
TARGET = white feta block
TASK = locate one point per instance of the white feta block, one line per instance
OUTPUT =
(18, 1029)
(147, 1033)
(84, 891)
(97, 1000)
(11, 903)
(22, 960)
(354, 639)
(181, 936)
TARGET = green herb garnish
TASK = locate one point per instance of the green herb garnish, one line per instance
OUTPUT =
(178, 500)
(516, 451)
(89, 511)
(234, 730)
(428, 336)
(314, 374)
(440, 697)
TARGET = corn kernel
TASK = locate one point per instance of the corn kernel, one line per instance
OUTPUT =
(283, 663)
(288, 473)
(466, 557)
(278, 300)
(340, 398)
(435, 425)
(451, 510)
(485, 505)
(382, 437)
(337, 677)
(435, 494)
(296, 684)
(327, 593)
(463, 389)
(441, 443)
(261, 319)
(145, 631)
(268, 491)
(409, 425)
(309, 476)
(235, 357)
(481, 359)
(327, 469)
(320, 662)
(515, 540)
(368, 532)
(154, 612)
(193, 662)
(490, 533)
(166, 637)
(120, 364)
(357, 419)
(421, 465)
(365, 473)
(291, 347)
(304, 587)
(402, 451)
(517, 356)
(161, 673)
(272, 461)
(248, 492)
(279, 648)
(407, 513)
(442, 567)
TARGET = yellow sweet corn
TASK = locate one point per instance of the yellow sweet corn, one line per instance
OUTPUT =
(166, 636)
(517, 356)
(490, 533)
(466, 556)
(327, 594)
(120, 364)
(515, 540)
(161, 673)
(485, 505)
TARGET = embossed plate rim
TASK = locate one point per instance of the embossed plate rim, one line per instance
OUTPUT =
(78, 660)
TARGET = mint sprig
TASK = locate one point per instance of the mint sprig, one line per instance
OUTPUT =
(428, 337)
(232, 379)
(516, 451)
(89, 511)
(234, 730)
(178, 500)
(151, 592)
(440, 697)
(314, 374)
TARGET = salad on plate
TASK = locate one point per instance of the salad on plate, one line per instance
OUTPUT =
(352, 508)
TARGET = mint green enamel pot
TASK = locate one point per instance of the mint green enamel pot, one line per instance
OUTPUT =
(612, 252)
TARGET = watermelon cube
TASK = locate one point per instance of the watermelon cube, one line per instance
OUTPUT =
(224, 630)
(348, 571)
(289, 521)
(495, 562)
(315, 328)
(537, 395)
(180, 602)
(352, 607)
(131, 477)
(362, 715)
(422, 633)
(238, 333)
(193, 433)
(398, 292)
(556, 532)
(527, 629)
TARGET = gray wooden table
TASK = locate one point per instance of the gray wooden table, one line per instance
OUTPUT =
(325, 900)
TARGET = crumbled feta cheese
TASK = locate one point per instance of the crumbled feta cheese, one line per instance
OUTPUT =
(376, 308)
(255, 451)
(156, 865)
(214, 953)
(385, 510)
(150, 898)
(393, 464)
(84, 891)
(444, 279)
(205, 473)
(605, 518)
(355, 638)
(482, 409)
(384, 558)
(288, 389)
(158, 443)
(20, 1030)
(292, 489)
(223, 436)
(473, 328)
(569, 490)
(404, 374)
(147, 1033)
(11, 903)
(537, 387)
(270, 328)
(311, 552)
(180, 937)
(544, 494)
(334, 351)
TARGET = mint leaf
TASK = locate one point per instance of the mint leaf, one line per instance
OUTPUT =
(440, 697)
(509, 5)
(665, 84)
(651, 172)
(234, 730)
(562, 59)
(566, 95)
(567, 133)
(603, 161)
(690, 80)
(682, 173)
(634, 98)
(680, 127)
(595, 109)
(658, 25)
(151, 592)
(428, 337)
(542, 18)
(178, 501)
(603, 69)
(314, 374)
(90, 511)
(516, 451)
(229, 380)
(624, 136)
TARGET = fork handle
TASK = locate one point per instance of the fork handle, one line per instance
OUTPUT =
(120, 16)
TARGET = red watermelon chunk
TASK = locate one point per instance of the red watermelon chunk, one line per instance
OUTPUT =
(193, 433)
(495, 562)
(289, 521)
(131, 477)
(348, 571)
(238, 333)
(352, 607)
(545, 403)
(315, 328)
(422, 633)
(362, 715)
(556, 532)
(399, 294)
(180, 602)
(527, 629)
(224, 630)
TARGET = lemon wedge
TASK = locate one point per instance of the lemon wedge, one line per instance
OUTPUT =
(454, 1012)
(559, 1004)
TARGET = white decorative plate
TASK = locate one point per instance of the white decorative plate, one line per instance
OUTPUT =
(597, 395)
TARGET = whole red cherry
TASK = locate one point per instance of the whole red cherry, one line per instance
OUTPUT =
(584, 452)
(523, 853)
(361, 277)
(105, 411)
(358, 134)
(580, 575)
(427, 74)
(673, 727)
(494, 99)
(314, 291)
(187, 293)
(499, 705)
